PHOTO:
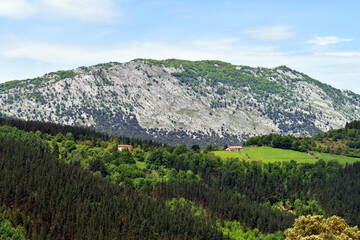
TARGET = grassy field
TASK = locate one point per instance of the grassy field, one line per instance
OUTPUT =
(230, 154)
(340, 159)
(267, 154)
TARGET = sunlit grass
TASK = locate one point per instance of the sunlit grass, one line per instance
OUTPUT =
(268, 154)
(230, 154)
(340, 159)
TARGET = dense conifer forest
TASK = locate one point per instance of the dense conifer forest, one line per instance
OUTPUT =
(55, 200)
(60, 182)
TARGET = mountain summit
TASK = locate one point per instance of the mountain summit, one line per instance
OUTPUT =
(182, 102)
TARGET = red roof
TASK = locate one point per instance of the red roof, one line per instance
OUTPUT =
(235, 147)
(124, 146)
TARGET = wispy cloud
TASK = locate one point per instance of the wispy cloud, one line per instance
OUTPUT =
(271, 33)
(16, 8)
(323, 41)
(340, 54)
(92, 10)
(89, 10)
(220, 49)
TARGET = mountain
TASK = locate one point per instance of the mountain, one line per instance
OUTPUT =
(182, 102)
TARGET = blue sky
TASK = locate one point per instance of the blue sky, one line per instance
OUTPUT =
(319, 38)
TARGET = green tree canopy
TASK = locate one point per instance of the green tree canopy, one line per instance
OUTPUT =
(8, 231)
(316, 227)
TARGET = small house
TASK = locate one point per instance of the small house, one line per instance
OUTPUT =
(235, 148)
(121, 147)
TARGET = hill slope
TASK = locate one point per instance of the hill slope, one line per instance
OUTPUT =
(176, 192)
(182, 102)
(343, 141)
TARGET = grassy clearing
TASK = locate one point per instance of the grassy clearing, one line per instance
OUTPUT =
(340, 159)
(230, 154)
(268, 154)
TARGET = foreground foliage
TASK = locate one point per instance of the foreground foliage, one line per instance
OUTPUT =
(9, 232)
(316, 227)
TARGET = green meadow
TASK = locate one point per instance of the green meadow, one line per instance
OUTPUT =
(230, 154)
(340, 159)
(268, 154)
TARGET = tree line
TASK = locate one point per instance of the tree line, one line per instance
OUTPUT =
(78, 133)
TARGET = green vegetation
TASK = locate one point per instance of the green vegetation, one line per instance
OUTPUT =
(12, 84)
(230, 154)
(338, 158)
(106, 65)
(62, 74)
(61, 182)
(267, 154)
(278, 141)
(236, 232)
(55, 200)
(215, 72)
(316, 227)
(9, 232)
(229, 228)
(343, 141)
(36, 82)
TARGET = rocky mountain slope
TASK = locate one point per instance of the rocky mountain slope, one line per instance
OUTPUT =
(182, 102)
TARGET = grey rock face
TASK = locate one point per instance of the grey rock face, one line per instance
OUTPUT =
(182, 102)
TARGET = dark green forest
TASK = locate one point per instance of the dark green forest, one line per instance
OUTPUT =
(60, 182)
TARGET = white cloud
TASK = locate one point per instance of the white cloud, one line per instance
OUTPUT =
(16, 8)
(271, 33)
(89, 10)
(323, 41)
(93, 10)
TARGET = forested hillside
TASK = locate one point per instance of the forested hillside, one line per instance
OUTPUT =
(182, 102)
(58, 182)
(54, 200)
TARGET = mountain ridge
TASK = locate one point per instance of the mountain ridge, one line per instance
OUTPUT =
(182, 102)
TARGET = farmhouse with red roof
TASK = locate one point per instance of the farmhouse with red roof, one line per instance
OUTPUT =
(121, 147)
(235, 148)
